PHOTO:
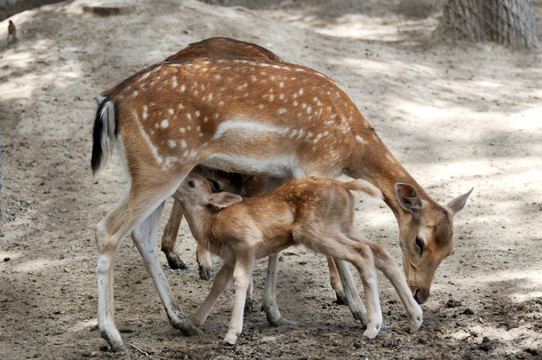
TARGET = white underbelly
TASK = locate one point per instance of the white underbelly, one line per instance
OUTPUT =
(280, 167)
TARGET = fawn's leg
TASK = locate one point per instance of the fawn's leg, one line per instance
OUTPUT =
(242, 274)
(222, 279)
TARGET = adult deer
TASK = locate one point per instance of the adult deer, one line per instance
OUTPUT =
(248, 184)
(252, 116)
(236, 183)
(217, 46)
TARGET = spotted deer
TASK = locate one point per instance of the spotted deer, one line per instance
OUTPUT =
(237, 183)
(252, 116)
(227, 47)
(316, 212)
(240, 183)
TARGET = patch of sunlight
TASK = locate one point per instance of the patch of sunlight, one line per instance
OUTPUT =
(355, 26)
(528, 119)
(519, 298)
(502, 334)
(85, 325)
(534, 276)
(37, 265)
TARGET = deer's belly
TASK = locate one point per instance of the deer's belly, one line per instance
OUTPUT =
(279, 166)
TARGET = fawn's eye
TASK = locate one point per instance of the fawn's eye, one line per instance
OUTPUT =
(192, 184)
(419, 244)
(215, 186)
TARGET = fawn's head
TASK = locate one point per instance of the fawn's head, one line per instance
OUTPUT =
(197, 191)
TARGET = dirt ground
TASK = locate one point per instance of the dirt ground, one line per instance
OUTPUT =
(457, 115)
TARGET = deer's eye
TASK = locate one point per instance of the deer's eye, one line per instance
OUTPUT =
(215, 186)
(419, 243)
(192, 184)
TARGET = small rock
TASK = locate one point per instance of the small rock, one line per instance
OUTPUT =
(453, 303)
(468, 311)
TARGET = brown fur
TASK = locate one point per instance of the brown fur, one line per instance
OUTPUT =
(315, 212)
(248, 115)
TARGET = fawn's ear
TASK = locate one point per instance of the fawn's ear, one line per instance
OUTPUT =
(223, 199)
(457, 204)
(408, 198)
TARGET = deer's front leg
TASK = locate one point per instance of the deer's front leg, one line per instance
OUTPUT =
(385, 263)
(270, 295)
(336, 283)
(203, 257)
(169, 238)
(355, 304)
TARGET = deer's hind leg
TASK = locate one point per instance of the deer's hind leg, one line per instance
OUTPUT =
(134, 209)
(145, 239)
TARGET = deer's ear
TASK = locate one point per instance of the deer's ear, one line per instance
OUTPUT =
(408, 197)
(223, 199)
(459, 202)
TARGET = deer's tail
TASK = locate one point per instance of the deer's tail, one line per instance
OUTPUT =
(105, 130)
(365, 186)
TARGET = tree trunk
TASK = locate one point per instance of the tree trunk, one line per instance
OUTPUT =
(508, 22)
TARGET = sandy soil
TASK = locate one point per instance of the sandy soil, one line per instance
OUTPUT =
(457, 115)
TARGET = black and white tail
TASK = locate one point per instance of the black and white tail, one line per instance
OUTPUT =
(105, 130)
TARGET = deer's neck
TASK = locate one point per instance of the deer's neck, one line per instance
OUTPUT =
(377, 165)
(200, 220)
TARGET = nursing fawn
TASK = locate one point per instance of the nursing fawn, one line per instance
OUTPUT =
(314, 211)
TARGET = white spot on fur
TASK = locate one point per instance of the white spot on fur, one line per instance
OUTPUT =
(172, 144)
(183, 144)
(361, 140)
(164, 124)
(145, 113)
(174, 82)
(171, 111)
(282, 111)
(183, 88)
